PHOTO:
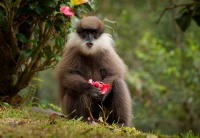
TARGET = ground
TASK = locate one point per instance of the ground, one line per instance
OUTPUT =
(23, 123)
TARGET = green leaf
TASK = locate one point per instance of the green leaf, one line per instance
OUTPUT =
(59, 42)
(111, 28)
(37, 79)
(70, 4)
(50, 4)
(14, 79)
(47, 51)
(184, 20)
(197, 19)
(33, 42)
(57, 57)
(10, 1)
(109, 21)
(26, 53)
(32, 6)
(49, 23)
(1, 18)
(196, 16)
(3, 6)
(39, 10)
(58, 23)
(88, 7)
(21, 37)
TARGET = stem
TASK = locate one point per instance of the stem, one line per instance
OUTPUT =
(173, 7)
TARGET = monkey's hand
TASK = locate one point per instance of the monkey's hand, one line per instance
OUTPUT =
(95, 94)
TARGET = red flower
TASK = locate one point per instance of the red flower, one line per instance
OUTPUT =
(104, 87)
(66, 10)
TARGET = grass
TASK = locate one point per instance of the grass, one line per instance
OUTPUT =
(23, 123)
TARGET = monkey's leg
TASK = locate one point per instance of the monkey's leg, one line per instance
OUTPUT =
(76, 107)
(120, 104)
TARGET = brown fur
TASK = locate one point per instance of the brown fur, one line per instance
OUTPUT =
(76, 68)
(94, 23)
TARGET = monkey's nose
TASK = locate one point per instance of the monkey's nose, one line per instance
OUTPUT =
(89, 44)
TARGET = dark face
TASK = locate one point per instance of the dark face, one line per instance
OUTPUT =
(89, 35)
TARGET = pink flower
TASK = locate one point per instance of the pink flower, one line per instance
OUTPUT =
(104, 87)
(89, 118)
(66, 10)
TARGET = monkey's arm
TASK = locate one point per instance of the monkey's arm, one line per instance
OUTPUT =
(108, 80)
(109, 76)
(77, 85)
(113, 69)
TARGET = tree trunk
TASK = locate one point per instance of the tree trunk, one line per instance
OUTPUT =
(10, 83)
(7, 66)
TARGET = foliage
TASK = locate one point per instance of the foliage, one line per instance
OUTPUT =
(188, 12)
(171, 80)
(33, 34)
(164, 67)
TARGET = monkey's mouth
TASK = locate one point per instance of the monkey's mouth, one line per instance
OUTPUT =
(89, 44)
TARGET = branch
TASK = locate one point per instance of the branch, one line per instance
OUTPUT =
(45, 66)
(10, 14)
(173, 7)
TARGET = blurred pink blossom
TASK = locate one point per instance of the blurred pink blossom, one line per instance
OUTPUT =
(89, 118)
(66, 10)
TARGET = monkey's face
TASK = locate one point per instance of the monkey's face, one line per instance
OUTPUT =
(89, 35)
(89, 32)
(90, 42)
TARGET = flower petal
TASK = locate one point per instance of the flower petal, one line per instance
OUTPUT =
(90, 81)
(66, 11)
(102, 86)
(69, 13)
(78, 2)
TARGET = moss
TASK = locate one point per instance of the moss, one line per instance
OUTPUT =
(21, 122)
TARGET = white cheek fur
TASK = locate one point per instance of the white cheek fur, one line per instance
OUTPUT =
(104, 42)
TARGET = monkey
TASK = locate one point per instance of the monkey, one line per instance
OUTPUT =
(89, 54)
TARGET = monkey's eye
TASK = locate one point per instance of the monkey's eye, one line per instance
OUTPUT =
(84, 34)
(94, 34)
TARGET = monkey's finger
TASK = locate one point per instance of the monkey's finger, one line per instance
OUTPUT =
(96, 97)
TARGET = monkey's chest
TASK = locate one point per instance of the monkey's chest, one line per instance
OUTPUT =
(93, 69)
(93, 73)
(90, 72)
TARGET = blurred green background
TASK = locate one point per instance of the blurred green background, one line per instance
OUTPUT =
(163, 65)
